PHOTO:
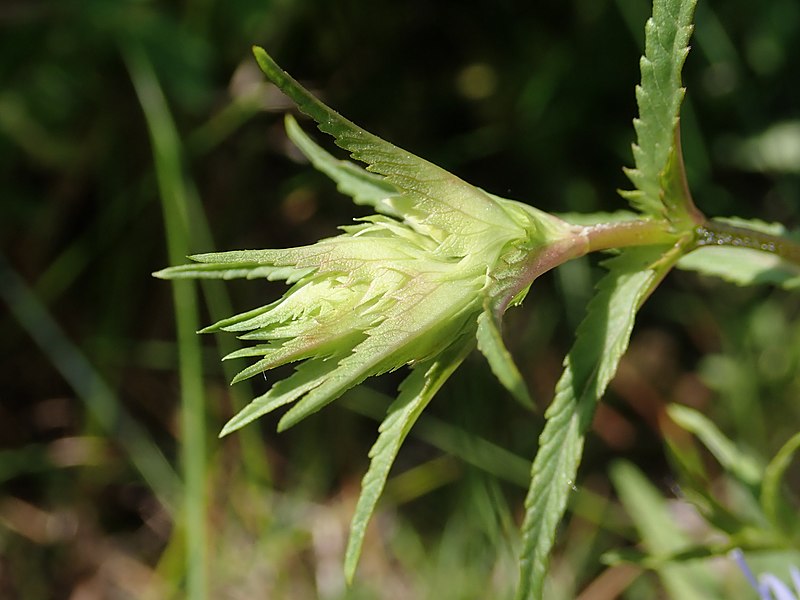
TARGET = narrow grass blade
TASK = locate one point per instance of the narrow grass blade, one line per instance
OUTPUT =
(651, 516)
(100, 400)
(744, 466)
(172, 190)
(468, 447)
(771, 500)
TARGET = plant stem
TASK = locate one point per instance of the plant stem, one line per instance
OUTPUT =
(718, 233)
(621, 234)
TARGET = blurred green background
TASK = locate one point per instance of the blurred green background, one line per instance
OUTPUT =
(529, 100)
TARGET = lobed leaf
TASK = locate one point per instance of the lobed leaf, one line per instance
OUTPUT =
(659, 97)
(395, 341)
(361, 185)
(602, 338)
(307, 376)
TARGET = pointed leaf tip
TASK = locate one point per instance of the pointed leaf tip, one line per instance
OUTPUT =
(490, 343)
(431, 195)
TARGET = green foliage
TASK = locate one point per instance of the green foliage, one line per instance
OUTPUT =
(651, 517)
(773, 502)
(658, 175)
(91, 374)
(490, 343)
(459, 217)
(419, 283)
(746, 263)
(602, 339)
(387, 292)
(729, 527)
(744, 466)
(415, 394)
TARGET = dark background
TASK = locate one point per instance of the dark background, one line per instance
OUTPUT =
(529, 100)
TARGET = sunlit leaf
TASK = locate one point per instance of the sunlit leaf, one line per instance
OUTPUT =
(602, 339)
(658, 175)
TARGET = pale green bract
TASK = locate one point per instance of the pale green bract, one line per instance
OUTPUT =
(428, 278)
(420, 284)
(441, 263)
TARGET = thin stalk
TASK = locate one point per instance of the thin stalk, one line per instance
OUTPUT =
(621, 234)
(586, 239)
(172, 189)
(718, 233)
(254, 456)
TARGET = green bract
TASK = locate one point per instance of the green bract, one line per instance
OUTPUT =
(420, 284)
(428, 277)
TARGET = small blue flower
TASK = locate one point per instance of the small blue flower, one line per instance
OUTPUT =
(768, 586)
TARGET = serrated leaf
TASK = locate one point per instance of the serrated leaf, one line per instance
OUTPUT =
(659, 96)
(230, 270)
(305, 345)
(416, 392)
(307, 376)
(742, 265)
(744, 466)
(679, 207)
(602, 338)
(362, 186)
(456, 214)
(490, 343)
(370, 189)
(649, 513)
